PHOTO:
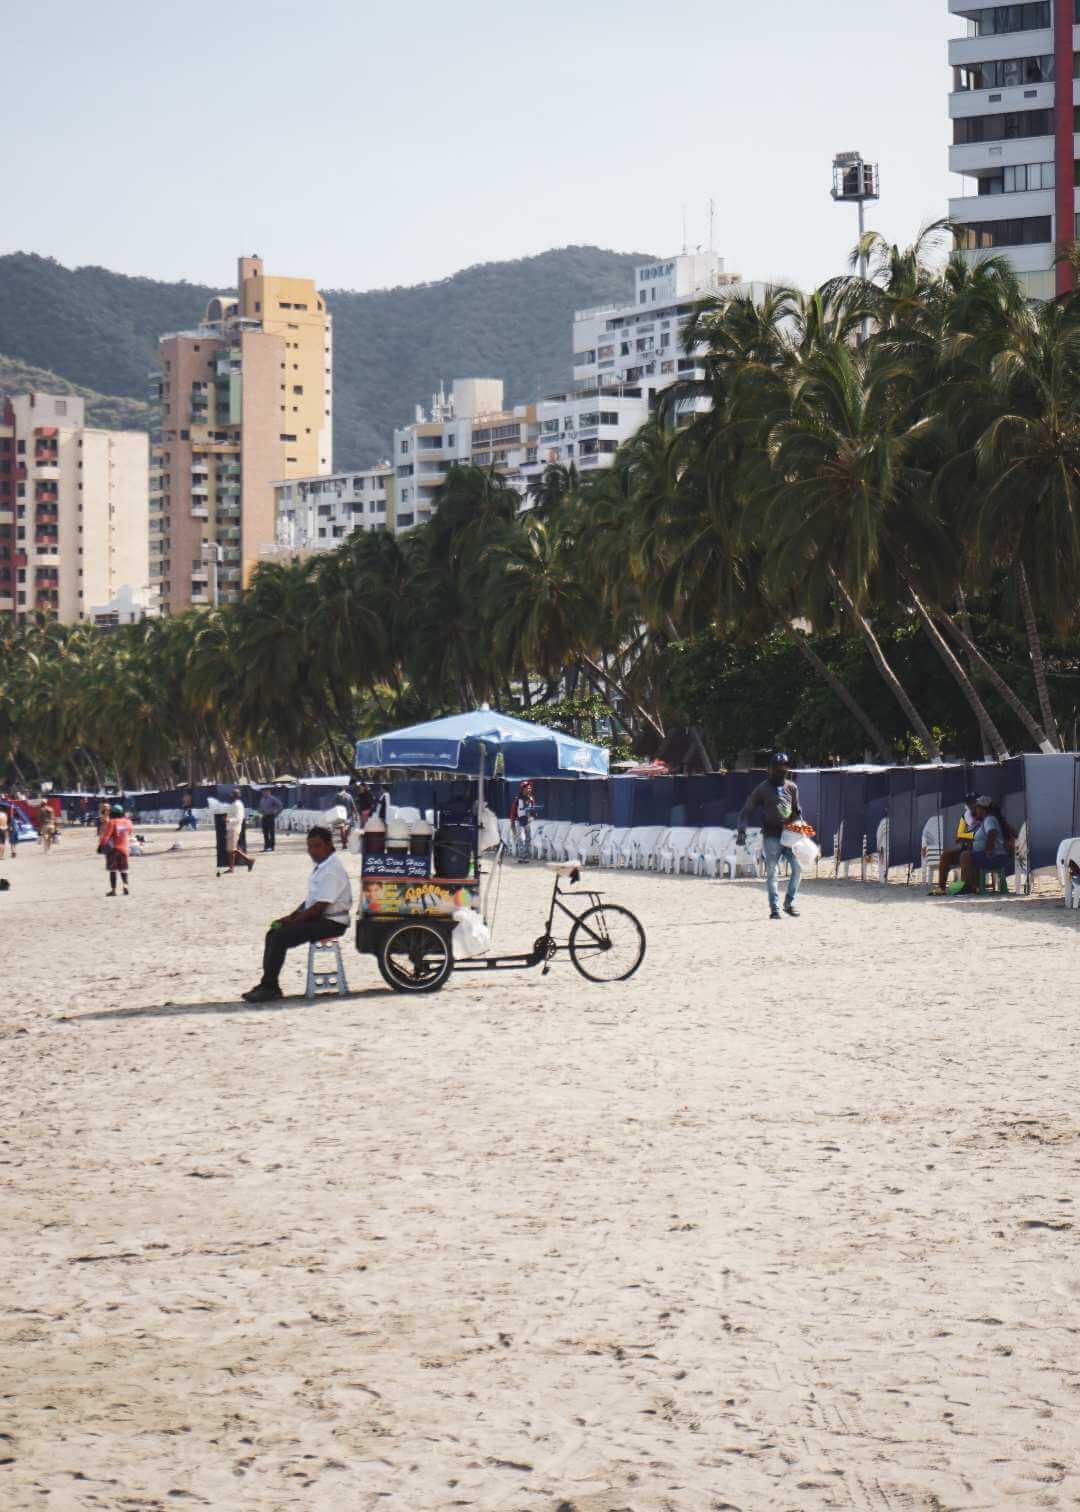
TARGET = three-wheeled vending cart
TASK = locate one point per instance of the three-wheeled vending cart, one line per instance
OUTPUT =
(412, 887)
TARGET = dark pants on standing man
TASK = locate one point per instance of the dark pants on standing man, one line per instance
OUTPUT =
(280, 941)
(269, 822)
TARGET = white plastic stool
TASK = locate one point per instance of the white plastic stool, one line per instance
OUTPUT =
(330, 978)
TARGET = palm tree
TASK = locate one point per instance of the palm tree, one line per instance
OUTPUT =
(1026, 516)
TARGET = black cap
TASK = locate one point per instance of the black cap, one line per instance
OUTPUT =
(779, 758)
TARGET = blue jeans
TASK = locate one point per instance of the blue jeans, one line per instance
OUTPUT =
(774, 851)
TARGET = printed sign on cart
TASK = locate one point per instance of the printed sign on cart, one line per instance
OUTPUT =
(420, 898)
(396, 864)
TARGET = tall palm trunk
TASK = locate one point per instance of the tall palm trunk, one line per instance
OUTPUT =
(967, 687)
(1001, 687)
(829, 677)
(613, 682)
(1038, 666)
(929, 744)
(965, 620)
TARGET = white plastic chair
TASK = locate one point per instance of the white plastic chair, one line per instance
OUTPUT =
(554, 838)
(585, 842)
(883, 851)
(931, 848)
(710, 847)
(613, 847)
(1022, 858)
(538, 833)
(672, 855)
(1068, 857)
(594, 843)
(1061, 862)
(571, 847)
(647, 840)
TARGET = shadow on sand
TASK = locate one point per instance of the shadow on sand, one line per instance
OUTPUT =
(180, 1010)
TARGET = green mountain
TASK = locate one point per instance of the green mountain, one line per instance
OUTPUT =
(96, 332)
(105, 410)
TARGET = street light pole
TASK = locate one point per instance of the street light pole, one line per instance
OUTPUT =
(855, 182)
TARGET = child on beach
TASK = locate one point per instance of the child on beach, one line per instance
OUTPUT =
(115, 844)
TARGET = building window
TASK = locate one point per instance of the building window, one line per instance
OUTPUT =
(994, 19)
(1012, 125)
(1005, 73)
(1023, 232)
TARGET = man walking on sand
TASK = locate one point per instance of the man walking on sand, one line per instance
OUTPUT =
(324, 913)
(270, 807)
(235, 814)
(777, 800)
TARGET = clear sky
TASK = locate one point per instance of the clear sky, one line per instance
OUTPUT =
(369, 144)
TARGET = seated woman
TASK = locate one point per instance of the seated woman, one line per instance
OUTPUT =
(965, 834)
(988, 852)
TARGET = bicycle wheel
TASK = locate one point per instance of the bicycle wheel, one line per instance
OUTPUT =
(415, 958)
(607, 944)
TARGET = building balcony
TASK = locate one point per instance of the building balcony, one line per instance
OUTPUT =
(200, 511)
(1036, 43)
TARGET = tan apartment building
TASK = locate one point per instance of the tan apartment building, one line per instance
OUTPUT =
(73, 509)
(246, 400)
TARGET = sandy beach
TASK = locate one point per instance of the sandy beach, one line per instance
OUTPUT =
(788, 1221)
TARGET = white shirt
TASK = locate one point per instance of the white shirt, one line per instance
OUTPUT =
(235, 814)
(329, 883)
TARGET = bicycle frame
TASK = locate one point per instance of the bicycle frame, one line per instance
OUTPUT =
(545, 947)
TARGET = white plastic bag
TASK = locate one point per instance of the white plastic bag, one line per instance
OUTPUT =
(471, 935)
(490, 838)
(807, 852)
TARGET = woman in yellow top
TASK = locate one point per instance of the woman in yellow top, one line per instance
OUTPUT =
(965, 837)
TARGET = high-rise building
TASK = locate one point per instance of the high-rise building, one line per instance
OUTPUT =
(470, 424)
(73, 509)
(246, 401)
(316, 514)
(638, 343)
(1014, 135)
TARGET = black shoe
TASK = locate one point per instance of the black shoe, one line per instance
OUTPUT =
(262, 994)
(789, 908)
(774, 913)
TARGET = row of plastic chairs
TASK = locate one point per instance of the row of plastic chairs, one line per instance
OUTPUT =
(677, 851)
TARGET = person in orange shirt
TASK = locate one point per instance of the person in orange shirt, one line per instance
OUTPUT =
(115, 843)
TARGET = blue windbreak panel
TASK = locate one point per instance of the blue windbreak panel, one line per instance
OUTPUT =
(830, 801)
(852, 815)
(903, 850)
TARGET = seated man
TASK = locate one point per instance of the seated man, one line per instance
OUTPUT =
(988, 851)
(965, 834)
(324, 912)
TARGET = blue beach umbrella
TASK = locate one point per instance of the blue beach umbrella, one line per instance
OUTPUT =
(469, 743)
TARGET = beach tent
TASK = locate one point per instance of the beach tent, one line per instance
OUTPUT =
(469, 743)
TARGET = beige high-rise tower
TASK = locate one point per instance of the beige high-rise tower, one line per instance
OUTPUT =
(246, 401)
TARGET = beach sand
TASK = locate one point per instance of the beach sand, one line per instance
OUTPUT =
(788, 1221)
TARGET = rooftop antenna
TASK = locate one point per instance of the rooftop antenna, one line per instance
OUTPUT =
(712, 224)
(684, 228)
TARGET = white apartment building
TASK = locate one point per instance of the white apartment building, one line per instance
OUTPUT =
(639, 343)
(1013, 134)
(584, 430)
(74, 509)
(472, 425)
(316, 514)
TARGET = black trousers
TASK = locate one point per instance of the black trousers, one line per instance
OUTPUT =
(268, 825)
(280, 941)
